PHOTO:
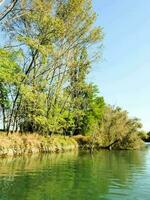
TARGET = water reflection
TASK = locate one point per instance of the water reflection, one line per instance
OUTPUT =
(103, 175)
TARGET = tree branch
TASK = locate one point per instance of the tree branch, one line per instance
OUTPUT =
(8, 9)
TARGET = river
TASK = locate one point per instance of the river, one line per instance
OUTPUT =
(105, 175)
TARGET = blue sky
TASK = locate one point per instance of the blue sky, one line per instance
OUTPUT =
(123, 74)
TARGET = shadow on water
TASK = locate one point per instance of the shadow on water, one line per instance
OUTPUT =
(103, 175)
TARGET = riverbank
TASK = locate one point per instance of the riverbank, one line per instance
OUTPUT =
(98, 143)
(20, 144)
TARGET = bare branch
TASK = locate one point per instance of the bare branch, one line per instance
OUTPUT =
(8, 9)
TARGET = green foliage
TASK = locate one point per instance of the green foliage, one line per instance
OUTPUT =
(118, 130)
(48, 84)
(4, 100)
(9, 70)
(95, 110)
(143, 135)
(43, 75)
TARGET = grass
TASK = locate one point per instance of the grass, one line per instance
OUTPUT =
(19, 144)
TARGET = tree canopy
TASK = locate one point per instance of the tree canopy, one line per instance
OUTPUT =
(44, 65)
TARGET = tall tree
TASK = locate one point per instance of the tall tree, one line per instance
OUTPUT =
(49, 34)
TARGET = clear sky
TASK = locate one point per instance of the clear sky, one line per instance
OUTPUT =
(123, 74)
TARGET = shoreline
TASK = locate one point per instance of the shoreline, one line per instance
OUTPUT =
(17, 144)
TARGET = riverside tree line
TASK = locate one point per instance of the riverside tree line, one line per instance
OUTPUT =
(45, 59)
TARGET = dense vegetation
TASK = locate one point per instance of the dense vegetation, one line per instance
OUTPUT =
(144, 136)
(148, 137)
(16, 144)
(44, 64)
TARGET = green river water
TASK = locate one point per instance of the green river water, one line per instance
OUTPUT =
(106, 175)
